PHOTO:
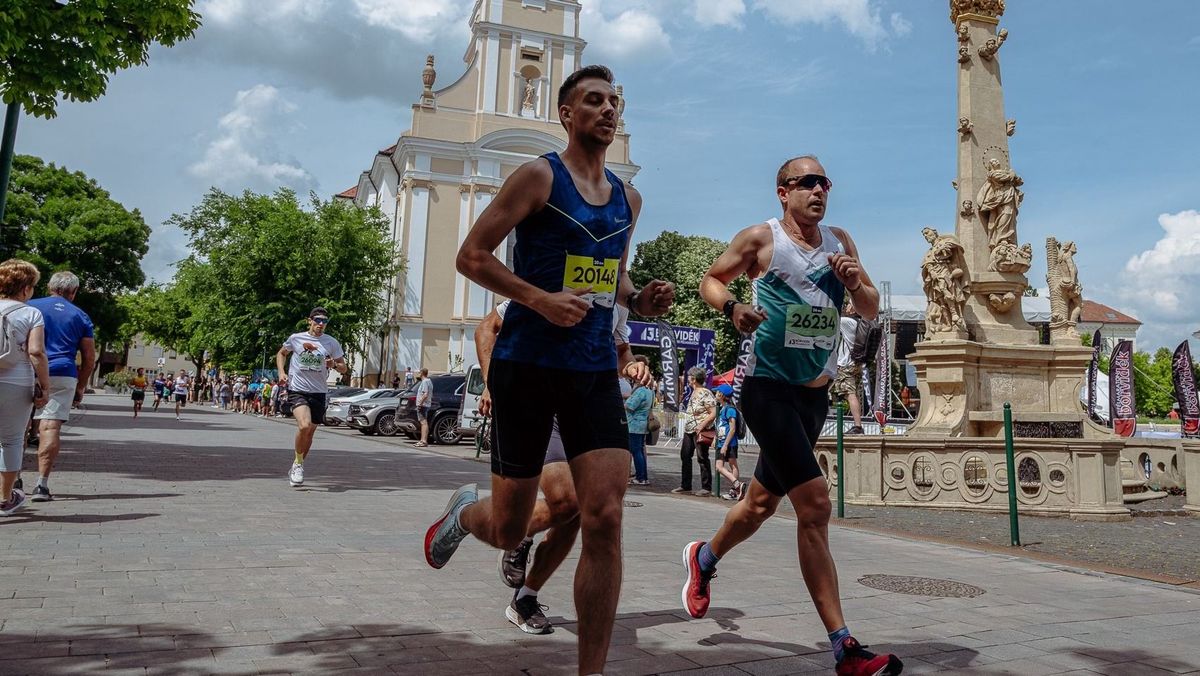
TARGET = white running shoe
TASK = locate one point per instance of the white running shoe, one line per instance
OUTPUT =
(296, 476)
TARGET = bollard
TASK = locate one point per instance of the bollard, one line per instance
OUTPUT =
(841, 454)
(1014, 530)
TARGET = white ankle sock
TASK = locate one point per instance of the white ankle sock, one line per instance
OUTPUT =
(43, 482)
(526, 591)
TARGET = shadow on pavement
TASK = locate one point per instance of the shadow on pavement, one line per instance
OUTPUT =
(30, 515)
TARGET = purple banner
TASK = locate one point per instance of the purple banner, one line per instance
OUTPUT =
(1093, 374)
(882, 404)
(1120, 390)
(1185, 389)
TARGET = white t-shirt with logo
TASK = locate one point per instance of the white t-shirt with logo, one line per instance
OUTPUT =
(22, 320)
(307, 371)
(181, 385)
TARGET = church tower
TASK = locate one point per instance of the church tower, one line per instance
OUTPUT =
(465, 139)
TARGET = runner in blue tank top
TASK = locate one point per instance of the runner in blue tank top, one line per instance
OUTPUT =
(555, 355)
(800, 272)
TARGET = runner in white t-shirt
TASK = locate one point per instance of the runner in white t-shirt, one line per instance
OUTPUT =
(182, 383)
(306, 377)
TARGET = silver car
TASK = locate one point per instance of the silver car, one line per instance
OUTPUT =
(338, 410)
(374, 416)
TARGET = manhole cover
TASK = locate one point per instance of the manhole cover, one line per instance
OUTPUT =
(630, 503)
(921, 586)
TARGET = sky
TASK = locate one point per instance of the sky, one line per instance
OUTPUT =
(302, 93)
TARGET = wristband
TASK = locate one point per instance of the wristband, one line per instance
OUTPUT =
(632, 299)
(855, 288)
(727, 308)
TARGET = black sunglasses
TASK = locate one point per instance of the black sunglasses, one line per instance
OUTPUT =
(320, 320)
(808, 182)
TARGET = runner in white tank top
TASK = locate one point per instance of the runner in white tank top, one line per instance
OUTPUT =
(800, 271)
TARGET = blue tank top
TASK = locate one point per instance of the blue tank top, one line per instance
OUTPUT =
(568, 244)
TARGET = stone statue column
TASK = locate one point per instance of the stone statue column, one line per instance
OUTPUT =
(1066, 293)
(987, 180)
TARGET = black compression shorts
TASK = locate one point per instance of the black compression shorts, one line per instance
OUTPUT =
(525, 400)
(315, 402)
(786, 420)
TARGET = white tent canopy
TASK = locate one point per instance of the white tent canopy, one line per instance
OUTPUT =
(912, 308)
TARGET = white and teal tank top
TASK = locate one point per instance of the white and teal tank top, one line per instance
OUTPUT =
(802, 298)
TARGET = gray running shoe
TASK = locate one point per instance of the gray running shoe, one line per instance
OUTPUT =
(15, 503)
(528, 615)
(513, 564)
(442, 538)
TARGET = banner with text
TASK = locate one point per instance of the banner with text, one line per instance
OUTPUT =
(670, 366)
(1185, 389)
(1120, 390)
(1093, 375)
(882, 401)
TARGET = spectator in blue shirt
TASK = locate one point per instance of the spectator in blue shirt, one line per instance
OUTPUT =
(637, 413)
(728, 422)
(68, 332)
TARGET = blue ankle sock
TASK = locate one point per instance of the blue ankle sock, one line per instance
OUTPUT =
(707, 559)
(837, 638)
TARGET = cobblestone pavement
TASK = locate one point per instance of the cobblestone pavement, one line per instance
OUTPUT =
(178, 548)
(1153, 545)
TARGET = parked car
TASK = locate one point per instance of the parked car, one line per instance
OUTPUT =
(337, 410)
(344, 392)
(469, 419)
(389, 416)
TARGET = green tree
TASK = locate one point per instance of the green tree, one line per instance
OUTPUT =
(51, 49)
(683, 259)
(62, 220)
(1152, 383)
(164, 315)
(259, 263)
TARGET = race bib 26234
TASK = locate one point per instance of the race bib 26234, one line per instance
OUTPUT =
(811, 328)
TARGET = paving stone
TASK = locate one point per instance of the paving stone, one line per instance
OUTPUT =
(156, 573)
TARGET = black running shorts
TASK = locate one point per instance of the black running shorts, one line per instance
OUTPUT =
(139, 395)
(315, 402)
(786, 420)
(525, 400)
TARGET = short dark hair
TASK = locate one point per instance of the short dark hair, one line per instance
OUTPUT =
(318, 312)
(782, 174)
(569, 84)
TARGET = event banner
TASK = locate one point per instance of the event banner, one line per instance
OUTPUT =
(1093, 375)
(670, 366)
(739, 371)
(1120, 390)
(1185, 389)
(882, 401)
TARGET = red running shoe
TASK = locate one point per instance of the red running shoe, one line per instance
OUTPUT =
(858, 661)
(695, 589)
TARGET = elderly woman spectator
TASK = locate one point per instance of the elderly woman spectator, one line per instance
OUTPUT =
(23, 361)
(637, 412)
(698, 434)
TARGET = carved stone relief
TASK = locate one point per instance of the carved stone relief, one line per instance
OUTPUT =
(964, 54)
(1010, 127)
(1066, 293)
(945, 282)
(965, 126)
(989, 48)
(991, 8)
(968, 208)
(998, 203)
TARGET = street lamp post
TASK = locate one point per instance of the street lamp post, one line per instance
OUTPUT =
(7, 149)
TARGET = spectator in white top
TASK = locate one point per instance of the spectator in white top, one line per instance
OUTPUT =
(424, 402)
(22, 360)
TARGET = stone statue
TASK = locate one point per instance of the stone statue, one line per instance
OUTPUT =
(527, 100)
(991, 8)
(428, 76)
(1066, 293)
(1008, 257)
(1010, 127)
(620, 108)
(989, 48)
(998, 203)
(965, 126)
(964, 54)
(944, 279)
(964, 34)
(968, 208)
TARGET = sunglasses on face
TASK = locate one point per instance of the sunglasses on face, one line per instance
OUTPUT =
(808, 182)
(319, 320)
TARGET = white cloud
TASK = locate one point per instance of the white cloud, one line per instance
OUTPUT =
(628, 34)
(1160, 285)
(860, 17)
(718, 12)
(419, 20)
(243, 155)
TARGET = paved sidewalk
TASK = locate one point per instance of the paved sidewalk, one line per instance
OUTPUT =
(179, 548)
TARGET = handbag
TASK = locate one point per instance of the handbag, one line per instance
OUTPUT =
(706, 436)
(653, 424)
